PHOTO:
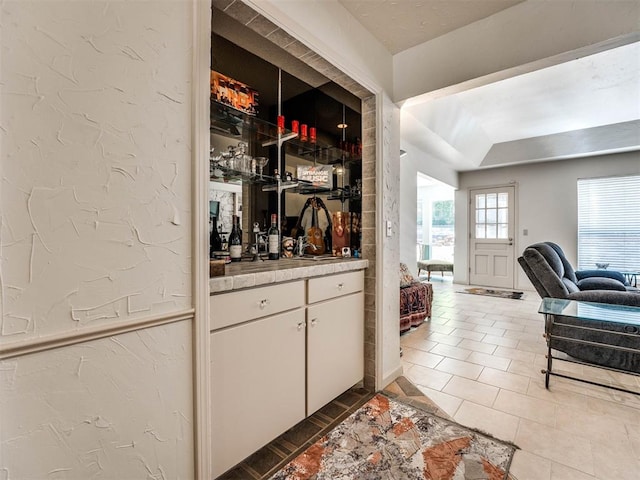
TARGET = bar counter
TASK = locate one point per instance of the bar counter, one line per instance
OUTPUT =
(247, 273)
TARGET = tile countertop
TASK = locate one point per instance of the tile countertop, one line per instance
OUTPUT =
(251, 274)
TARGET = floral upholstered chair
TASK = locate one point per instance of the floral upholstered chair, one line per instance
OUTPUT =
(415, 300)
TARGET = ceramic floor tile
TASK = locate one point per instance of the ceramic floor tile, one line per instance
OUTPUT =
(560, 430)
(534, 347)
(460, 324)
(498, 332)
(460, 368)
(478, 319)
(427, 377)
(630, 415)
(451, 351)
(446, 402)
(444, 329)
(615, 460)
(418, 343)
(510, 326)
(529, 337)
(591, 425)
(514, 354)
(562, 472)
(419, 357)
(499, 363)
(502, 379)
(471, 390)
(501, 341)
(477, 346)
(562, 447)
(499, 424)
(468, 334)
(523, 406)
(527, 466)
(634, 439)
(446, 339)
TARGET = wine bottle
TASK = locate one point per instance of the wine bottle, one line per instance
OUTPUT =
(215, 242)
(235, 241)
(274, 238)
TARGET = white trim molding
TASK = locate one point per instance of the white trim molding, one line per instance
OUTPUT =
(200, 97)
(74, 337)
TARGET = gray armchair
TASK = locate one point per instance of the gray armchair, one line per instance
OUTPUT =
(553, 276)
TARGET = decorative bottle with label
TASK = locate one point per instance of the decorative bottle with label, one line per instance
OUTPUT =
(235, 241)
(274, 238)
(215, 242)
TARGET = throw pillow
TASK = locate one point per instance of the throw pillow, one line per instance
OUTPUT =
(406, 278)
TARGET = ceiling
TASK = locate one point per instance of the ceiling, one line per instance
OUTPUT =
(588, 106)
(402, 24)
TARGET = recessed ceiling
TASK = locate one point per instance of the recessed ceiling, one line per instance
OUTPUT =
(584, 107)
(402, 24)
(588, 106)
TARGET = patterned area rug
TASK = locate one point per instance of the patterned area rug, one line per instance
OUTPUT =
(387, 439)
(493, 293)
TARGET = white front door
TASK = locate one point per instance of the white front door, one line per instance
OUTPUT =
(491, 232)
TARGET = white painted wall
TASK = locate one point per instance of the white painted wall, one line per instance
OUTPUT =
(114, 408)
(388, 245)
(416, 160)
(525, 37)
(408, 203)
(546, 202)
(95, 138)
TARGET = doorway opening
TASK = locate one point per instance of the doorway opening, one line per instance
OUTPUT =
(435, 223)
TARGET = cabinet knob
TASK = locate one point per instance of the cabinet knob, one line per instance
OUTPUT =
(314, 321)
(340, 286)
(300, 326)
(264, 303)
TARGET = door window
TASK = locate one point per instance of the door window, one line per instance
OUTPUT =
(492, 215)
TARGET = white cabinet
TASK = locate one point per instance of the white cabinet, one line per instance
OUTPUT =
(258, 385)
(237, 307)
(335, 348)
(273, 361)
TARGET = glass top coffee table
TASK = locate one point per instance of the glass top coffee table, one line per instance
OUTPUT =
(595, 334)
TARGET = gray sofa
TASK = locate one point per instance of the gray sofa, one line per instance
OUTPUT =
(553, 276)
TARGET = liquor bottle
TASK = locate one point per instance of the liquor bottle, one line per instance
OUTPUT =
(235, 241)
(215, 242)
(274, 238)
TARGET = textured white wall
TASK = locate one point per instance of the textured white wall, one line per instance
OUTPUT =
(95, 128)
(114, 408)
(95, 226)
(388, 184)
(546, 205)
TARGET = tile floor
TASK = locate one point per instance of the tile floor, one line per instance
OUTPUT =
(479, 360)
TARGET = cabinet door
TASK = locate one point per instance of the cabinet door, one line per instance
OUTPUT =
(257, 385)
(335, 348)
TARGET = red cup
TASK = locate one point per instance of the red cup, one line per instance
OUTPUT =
(303, 132)
(280, 123)
(295, 126)
(312, 134)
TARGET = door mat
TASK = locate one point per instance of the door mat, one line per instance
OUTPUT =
(493, 293)
(389, 439)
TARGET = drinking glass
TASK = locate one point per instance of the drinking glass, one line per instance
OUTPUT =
(261, 162)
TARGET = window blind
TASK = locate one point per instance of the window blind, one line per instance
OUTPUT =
(609, 223)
